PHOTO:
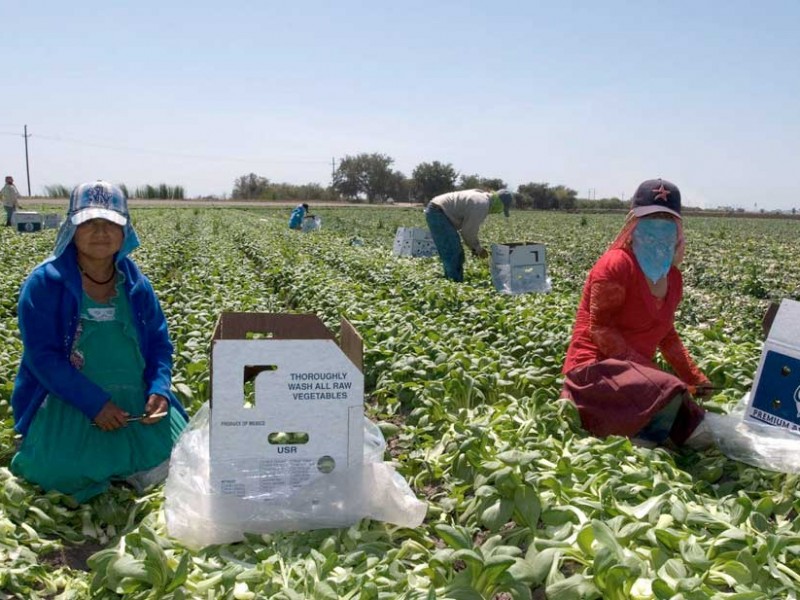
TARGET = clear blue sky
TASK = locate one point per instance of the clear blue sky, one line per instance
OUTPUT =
(592, 95)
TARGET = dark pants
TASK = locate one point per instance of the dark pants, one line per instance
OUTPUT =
(448, 243)
(616, 397)
(9, 213)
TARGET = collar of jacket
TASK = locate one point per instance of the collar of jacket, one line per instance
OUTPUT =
(65, 269)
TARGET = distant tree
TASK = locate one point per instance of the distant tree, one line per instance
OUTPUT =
(469, 182)
(612, 203)
(162, 191)
(537, 195)
(492, 184)
(431, 179)
(59, 191)
(369, 175)
(250, 187)
(400, 188)
(290, 191)
(566, 198)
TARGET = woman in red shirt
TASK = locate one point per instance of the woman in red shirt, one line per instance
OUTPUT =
(626, 313)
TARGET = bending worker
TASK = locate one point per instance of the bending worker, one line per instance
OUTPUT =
(296, 218)
(462, 212)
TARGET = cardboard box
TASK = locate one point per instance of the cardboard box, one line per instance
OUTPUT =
(415, 242)
(311, 223)
(775, 399)
(27, 221)
(287, 404)
(51, 221)
(519, 267)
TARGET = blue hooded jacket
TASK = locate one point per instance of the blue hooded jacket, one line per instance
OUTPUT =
(49, 313)
(296, 218)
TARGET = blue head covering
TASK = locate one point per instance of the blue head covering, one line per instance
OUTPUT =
(97, 200)
(507, 198)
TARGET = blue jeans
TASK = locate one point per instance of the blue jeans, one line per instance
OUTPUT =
(448, 243)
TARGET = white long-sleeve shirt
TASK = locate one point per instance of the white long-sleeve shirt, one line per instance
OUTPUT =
(466, 210)
(10, 195)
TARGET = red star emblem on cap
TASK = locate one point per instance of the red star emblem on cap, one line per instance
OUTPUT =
(661, 193)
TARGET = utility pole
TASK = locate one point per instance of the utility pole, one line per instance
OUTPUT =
(27, 165)
(333, 168)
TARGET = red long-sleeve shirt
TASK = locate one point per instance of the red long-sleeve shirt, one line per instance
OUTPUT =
(618, 317)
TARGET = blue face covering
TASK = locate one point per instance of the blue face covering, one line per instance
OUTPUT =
(654, 243)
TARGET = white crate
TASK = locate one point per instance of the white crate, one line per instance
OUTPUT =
(51, 221)
(520, 267)
(27, 221)
(414, 242)
(303, 382)
(775, 399)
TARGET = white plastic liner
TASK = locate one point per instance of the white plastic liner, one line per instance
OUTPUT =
(760, 445)
(197, 517)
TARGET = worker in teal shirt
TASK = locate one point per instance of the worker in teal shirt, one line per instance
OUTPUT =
(296, 218)
(92, 396)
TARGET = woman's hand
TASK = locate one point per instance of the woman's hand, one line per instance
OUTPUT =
(111, 417)
(702, 389)
(156, 405)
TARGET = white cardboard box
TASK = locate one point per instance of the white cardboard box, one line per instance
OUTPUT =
(775, 399)
(302, 382)
(311, 223)
(51, 221)
(416, 242)
(27, 221)
(519, 267)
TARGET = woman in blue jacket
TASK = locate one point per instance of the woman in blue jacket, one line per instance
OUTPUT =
(92, 396)
(297, 216)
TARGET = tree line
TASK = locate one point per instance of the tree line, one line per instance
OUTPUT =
(162, 191)
(371, 178)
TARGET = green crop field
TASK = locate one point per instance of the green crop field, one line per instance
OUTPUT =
(465, 383)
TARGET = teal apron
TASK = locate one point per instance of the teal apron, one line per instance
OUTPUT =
(63, 450)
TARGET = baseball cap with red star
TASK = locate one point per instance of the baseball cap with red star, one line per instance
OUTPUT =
(654, 196)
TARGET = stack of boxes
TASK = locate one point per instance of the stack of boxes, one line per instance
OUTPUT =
(30, 221)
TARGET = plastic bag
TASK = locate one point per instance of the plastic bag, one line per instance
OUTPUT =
(144, 480)
(311, 223)
(197, 517)
(764, 446)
